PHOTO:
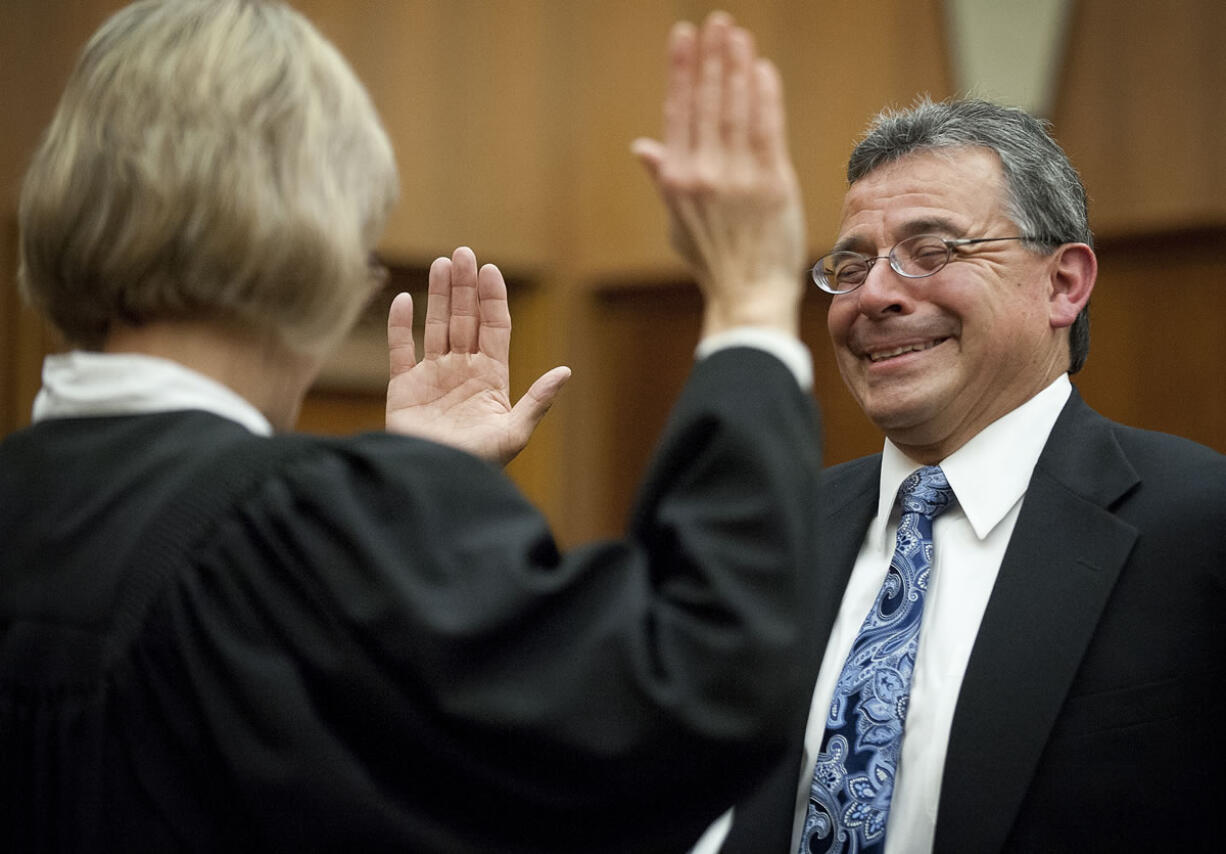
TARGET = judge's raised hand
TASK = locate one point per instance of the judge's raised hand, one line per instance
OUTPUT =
(725, 175)
(459, 393)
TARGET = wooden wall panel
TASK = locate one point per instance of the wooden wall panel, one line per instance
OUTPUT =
(1158, 337)
(512, 121)
(647, 332)
(840, 63)
(466, 89)
(39, 42)
(1140, 112)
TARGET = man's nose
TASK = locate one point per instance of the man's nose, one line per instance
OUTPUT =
(884, 289)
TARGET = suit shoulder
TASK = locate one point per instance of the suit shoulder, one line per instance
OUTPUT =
(850, 483)
(1181, 486)
(1164, 455)
(852, 470)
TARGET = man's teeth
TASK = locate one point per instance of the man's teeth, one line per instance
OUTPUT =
(878, 355)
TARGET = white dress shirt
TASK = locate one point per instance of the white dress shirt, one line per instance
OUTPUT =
(82, 384)
(989, 476)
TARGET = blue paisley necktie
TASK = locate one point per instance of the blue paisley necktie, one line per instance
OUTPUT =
(853, 780)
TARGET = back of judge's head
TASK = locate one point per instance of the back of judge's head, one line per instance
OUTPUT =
(209, 160)
(1045, 197)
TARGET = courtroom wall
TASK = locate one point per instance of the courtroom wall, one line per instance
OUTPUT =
(512, 121)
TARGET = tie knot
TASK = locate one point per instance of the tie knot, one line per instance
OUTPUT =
(926, 491)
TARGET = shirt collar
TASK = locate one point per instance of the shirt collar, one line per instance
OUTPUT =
(82, 384)
(990, 473)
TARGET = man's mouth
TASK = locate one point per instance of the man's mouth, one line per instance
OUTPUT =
(882, 355)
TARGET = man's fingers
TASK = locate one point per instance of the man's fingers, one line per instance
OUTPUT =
(435, 339)
(738, 85)
(401, 351)
(495, 314)
(651, 151)
(708, 109)
(679, 101)
(463, 329)
(651, 154)
(768, 133)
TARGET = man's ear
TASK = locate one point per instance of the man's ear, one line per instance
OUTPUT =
(1073, 270)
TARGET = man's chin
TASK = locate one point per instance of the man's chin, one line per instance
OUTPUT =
(908, 417)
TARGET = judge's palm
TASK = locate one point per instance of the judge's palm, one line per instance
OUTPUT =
(459, 393)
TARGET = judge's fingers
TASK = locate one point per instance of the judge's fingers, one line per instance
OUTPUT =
(495, 314)
(531, 408)
(401, 350)
(463, 329)
(435, 338)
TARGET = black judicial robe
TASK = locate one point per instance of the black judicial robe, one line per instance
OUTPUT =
(215, 641)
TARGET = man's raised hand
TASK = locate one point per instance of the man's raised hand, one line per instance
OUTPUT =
(724, 173)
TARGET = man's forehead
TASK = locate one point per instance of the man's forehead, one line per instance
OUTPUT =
(944, 190)
(936, 157)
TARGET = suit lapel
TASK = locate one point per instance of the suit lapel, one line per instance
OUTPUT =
(1058, 571)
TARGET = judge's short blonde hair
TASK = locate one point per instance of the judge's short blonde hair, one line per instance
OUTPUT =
(210, 160)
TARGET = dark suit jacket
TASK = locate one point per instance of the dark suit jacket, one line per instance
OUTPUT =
(1093, 712)
(214, 641)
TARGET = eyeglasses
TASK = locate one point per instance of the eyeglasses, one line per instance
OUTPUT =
(913, 257)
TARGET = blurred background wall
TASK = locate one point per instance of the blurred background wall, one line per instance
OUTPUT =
(512, 121)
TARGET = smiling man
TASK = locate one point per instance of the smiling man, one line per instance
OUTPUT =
(1040, 668)
(934, 362)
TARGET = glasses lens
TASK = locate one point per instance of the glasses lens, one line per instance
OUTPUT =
(840, 272)
(920, 256)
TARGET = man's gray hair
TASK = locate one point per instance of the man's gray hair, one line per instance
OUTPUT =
(1045, 196)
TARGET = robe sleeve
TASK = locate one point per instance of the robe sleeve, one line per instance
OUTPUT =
(386, 647)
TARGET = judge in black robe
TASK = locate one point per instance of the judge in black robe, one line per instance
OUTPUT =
(215, 639)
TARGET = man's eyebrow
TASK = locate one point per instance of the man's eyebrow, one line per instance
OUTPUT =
(929, 225)
(851, 243)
